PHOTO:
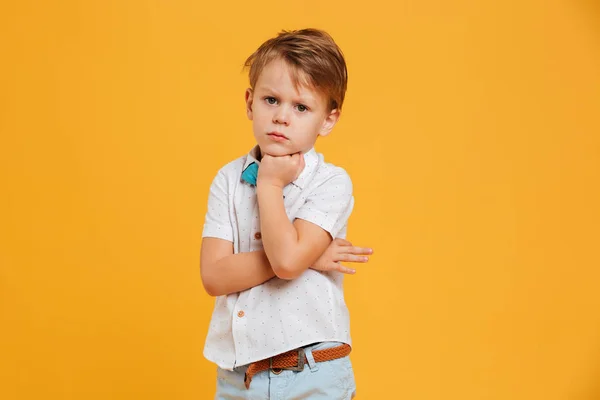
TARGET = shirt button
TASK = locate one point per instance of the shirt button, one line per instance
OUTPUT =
(257, 236)
(241, 314)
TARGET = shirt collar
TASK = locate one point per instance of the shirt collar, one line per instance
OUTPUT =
(310, 163)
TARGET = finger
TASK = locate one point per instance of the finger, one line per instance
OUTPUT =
(358, 250)
(351, 258)
(300, 162)
(342, 242)
(343, 269)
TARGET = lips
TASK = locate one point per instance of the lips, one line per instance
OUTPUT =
(277, 135)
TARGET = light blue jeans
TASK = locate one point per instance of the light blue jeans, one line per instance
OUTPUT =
(328, 380)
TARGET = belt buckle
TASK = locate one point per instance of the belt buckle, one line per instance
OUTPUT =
(298, 367)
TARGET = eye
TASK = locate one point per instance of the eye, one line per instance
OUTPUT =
(302, 108)
(271, 100)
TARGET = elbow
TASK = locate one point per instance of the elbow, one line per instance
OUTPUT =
(210, 288)
(287, 271)
(210, 284)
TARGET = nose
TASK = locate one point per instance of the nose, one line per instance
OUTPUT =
(281, 116)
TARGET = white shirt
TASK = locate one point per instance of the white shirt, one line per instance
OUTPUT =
(278, 315)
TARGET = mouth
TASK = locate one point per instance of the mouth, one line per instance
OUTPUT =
(277, 136)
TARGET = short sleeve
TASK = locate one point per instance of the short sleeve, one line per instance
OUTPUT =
(330, 204)
(217, 223)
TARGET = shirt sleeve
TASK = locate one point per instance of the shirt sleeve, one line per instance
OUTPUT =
(217, 222)
(330, 205)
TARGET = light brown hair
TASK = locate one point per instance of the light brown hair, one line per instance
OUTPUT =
(314, 59)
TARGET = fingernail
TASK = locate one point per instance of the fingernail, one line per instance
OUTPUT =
(365, 258)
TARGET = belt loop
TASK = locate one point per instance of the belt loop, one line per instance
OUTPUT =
(311, 360)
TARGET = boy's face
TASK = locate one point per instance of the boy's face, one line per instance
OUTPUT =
(285, 120)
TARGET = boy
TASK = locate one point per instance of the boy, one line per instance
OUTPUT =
(273, 236)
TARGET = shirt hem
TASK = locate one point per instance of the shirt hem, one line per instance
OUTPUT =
(263, 356)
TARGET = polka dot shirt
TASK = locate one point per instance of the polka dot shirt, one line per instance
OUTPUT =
(278, 315)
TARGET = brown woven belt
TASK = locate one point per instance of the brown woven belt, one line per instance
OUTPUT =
(294, 360)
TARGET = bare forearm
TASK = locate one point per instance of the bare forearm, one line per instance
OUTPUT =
(279, 235)
(237, 272)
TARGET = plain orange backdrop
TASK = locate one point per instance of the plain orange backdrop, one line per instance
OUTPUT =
(471, 130)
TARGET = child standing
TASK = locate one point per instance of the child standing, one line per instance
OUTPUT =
(274, 236)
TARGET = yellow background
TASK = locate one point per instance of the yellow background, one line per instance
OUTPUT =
(472, 134)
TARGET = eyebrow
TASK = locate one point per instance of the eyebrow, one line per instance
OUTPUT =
(299, 99)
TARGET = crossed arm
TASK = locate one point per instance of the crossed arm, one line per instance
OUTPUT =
(288, 250)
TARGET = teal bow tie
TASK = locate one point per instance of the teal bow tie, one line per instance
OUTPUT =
(250, 173)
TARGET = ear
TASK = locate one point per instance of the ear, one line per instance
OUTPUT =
(249, 99)
(330, 120)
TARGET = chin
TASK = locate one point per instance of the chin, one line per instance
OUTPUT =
(276, 150)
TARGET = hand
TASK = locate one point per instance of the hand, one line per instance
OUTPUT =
(341, 250)
(281, 170)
